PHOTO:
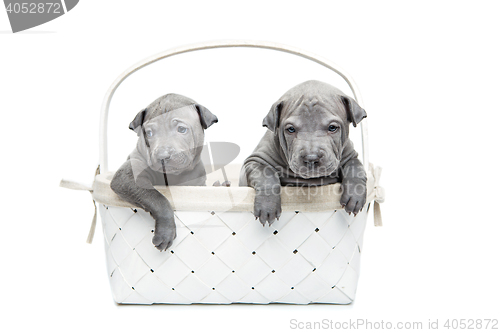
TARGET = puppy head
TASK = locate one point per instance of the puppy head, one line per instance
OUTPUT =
(171, 133)
(312, 124)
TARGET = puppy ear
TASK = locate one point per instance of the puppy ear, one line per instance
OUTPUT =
(272, 120)
(138, 121)
(207, 118)
(354, 112)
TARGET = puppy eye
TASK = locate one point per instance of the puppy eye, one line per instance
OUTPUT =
(149, 133)
(333, 128)
(181, 129)
(290, 130)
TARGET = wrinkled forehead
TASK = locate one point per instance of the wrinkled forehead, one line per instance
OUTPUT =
(187, 114)
(315, 109)
(312, 122)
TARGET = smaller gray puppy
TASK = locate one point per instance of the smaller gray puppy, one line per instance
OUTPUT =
(307, 145)
(168, 152)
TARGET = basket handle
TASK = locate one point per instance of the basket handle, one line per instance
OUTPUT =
(103, 140)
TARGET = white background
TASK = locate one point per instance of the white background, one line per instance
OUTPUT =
(429, 74)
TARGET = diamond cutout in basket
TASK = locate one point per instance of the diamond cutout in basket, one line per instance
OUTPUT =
(254, 271)
(253, 235)
(233, 253)
(193, 289)
(191, 252)
(212, 234)
(213, 272)
(274, 253)
(133, 268)
(295, 270)
(233, 287)
(133, 232)
(149, 253)
(314, 249)
(296, 231)
(173, 271)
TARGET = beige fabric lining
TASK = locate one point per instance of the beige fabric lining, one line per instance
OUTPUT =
(235, 198)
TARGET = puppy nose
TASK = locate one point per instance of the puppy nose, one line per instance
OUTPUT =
(165, 154)
(311, 160)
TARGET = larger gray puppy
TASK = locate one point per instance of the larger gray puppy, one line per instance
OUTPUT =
(307, 145)
(168, 152)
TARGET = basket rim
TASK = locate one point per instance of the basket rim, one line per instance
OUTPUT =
(234, 198)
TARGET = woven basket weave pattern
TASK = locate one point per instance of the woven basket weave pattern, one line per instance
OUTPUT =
(228, 257)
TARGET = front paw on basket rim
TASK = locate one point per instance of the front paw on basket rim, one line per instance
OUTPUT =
(353, 197)
(164, 237)
(353, 204)
(226, 183)
(267, 208)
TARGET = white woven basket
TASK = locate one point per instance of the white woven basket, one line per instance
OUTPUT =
(221, 254)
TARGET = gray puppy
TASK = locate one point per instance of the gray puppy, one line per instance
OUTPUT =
(307, 145)
(168, 152)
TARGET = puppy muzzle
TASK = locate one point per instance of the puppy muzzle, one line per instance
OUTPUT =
(169, 160)
(313, 165)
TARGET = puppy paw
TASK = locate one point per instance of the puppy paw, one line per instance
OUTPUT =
(227, 183)
(164, 236)
(267, 207)
(353, 196)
